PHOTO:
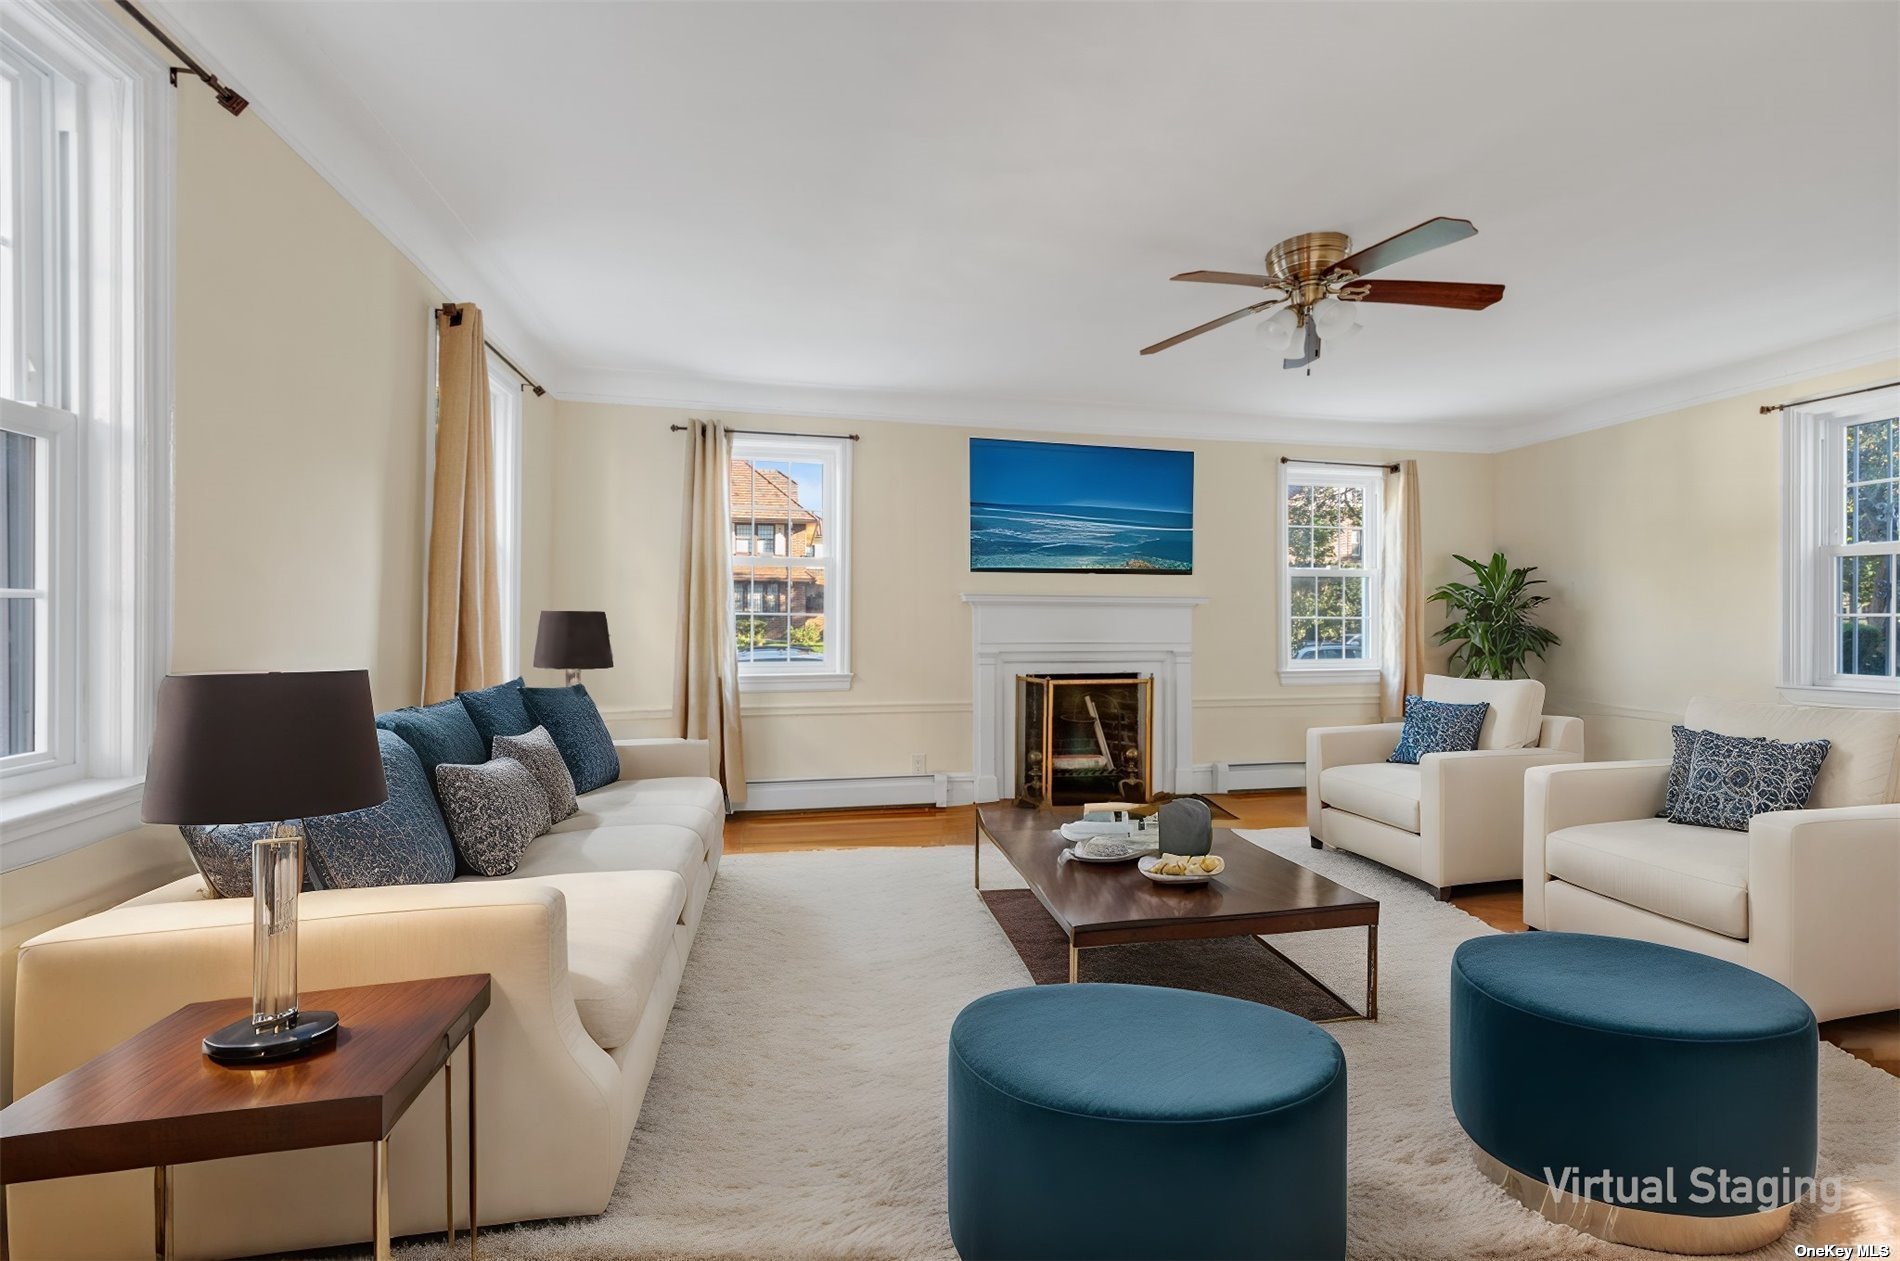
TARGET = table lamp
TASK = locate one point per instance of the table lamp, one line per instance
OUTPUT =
(266, 748)
(572, 641)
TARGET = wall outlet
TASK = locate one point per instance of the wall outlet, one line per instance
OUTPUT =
(920, 764)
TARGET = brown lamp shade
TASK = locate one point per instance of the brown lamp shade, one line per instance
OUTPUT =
(262, 748)
(570, 640)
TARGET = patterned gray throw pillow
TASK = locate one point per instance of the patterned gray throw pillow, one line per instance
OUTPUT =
(222, 854)
(1734, 778)
(493, 811)
(536, 750)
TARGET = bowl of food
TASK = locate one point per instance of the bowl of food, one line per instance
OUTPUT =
(1181, 868)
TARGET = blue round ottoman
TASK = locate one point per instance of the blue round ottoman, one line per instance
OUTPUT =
(1646, 1095)
(1124, 1122)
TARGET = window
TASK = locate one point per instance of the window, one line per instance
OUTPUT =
(788, 505)
(1329, 534)
(504, 426)
(85, 402)
(1842, 522)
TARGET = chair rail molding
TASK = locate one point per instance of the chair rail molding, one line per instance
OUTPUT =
(1020, 633)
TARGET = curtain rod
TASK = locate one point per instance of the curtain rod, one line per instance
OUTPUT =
(1390, 468)
(776, 433)
(1822, 398)
(226, 97)
(454, 313)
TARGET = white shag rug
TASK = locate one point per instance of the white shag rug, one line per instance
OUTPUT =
(798, 1107)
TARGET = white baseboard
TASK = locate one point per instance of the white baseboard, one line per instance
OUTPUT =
(1225, 777)
(865, 790)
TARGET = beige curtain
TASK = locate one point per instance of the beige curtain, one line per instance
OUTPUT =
(1402, 600)
(462, 639)
(706, 674)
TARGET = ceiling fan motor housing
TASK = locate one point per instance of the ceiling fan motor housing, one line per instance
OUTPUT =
(1301, 263)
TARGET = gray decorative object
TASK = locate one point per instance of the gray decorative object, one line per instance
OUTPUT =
(536, 750)
(1187, 826)
(493, 810)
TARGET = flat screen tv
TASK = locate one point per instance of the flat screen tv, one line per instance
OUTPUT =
(1058, 507)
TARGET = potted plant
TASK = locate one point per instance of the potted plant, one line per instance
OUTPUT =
(1491, 619)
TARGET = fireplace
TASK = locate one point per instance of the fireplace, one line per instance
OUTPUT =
(1084, 737)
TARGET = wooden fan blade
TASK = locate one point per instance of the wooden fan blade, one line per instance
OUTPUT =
(1310, 353)
(1444, 293)
(1410, 243)
(1211, 325)
(1225, 278)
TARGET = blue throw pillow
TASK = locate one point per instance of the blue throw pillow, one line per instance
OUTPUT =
(1438, 727)
(579, 732)
(1684, 742)
(222, 854)
(442, 732)
(497, 711)
(401, 841)
(1734, 778)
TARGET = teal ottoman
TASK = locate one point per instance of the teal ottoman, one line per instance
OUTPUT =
(1643, 1094)
(1130, 1122)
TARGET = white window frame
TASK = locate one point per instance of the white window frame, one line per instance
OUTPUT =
(1813, 457)
(104, 395)
(504, 427)
(833, 674)
(1366, 669)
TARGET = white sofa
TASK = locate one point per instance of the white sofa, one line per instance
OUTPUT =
(1809, 897)
(1454, 818)
(586, 944)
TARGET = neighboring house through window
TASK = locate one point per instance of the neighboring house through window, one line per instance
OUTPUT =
(85, 401)
(788, 509)
(1841, 547)
(1329, 544)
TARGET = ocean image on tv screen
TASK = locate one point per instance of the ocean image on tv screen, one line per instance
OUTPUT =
(1052, 506)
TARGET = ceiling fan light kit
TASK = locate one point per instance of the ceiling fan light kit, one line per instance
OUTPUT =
(1316, 279)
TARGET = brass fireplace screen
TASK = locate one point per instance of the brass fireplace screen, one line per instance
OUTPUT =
(1083, 737)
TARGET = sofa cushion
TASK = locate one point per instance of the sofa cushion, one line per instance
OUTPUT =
(1693, 875)
(404, 840)
(494, 809)
(1863, 761)
(579, 731)
(1515, 719)
(535, 750)
(616, 847)
(619, 932)
(677, 790)
(442, 732)
(222, 854)
(1438, 727)
(1385, 791)
(497, 711)
(1734, 778)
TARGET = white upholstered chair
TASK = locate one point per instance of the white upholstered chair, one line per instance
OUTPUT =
(1454, 818)
(1809, 897)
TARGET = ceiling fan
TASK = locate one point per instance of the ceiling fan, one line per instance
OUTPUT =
(1316, 279)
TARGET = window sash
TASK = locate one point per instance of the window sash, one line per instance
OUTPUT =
(55, 752)
(1372, 487)
(827, 562)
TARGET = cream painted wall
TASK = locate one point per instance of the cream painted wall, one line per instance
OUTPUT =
(1660, 540)
(302, 361)
(616, 532)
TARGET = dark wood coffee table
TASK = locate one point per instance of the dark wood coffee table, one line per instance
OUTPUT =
(155, 1100)
(1112, 904)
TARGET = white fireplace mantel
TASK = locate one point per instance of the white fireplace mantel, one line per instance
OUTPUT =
(1029, 634)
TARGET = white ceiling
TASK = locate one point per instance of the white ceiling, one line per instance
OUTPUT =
(970, 211)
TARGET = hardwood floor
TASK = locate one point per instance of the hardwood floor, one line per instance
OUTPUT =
(1874, 1039)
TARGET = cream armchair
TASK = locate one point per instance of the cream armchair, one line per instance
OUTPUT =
(1455, 818)
(1809, 897)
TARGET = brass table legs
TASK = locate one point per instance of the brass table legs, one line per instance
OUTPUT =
(162, 1245)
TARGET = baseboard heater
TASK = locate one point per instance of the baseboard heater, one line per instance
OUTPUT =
(1253, 776)
(838, 794)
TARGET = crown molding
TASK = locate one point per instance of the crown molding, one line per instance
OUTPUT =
(680, 392)
(1876, 343)
(342, 142)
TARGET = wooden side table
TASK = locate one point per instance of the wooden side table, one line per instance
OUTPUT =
(155, 1100)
